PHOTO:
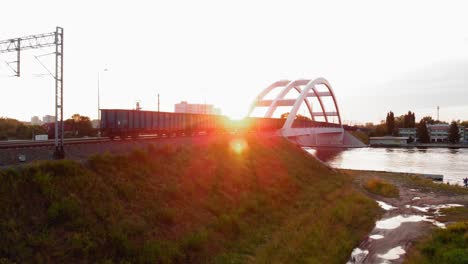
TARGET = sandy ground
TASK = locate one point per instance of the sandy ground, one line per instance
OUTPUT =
(407, 218)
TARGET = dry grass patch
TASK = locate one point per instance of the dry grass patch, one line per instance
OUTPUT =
(381, 187)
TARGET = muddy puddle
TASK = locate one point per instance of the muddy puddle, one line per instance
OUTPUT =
(392, 234)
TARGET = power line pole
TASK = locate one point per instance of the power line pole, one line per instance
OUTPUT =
(158, 102)
(437, 113)
(98, 102)
(41, 41)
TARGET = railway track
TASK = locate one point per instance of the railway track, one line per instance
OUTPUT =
(46, 143)
(73, 141)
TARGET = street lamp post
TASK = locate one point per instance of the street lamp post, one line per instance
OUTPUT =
(99, 100)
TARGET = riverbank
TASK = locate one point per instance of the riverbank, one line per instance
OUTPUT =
(451, 163)
(424, 145)
(231, 199)
(419, 211)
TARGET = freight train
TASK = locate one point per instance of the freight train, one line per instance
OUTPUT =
(133, 123)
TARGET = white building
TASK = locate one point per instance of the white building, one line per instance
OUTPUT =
(437, 132)
(184, 107)
(407, 132)
(35, 121)
(48, 119)
(440, 132)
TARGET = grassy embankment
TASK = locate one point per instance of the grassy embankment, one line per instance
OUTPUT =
(236, 201)
(363, 137)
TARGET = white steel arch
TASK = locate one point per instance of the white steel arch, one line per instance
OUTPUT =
(280, 97)
(309, 90)
(279, 100)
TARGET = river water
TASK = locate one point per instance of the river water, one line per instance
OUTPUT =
(452, 163)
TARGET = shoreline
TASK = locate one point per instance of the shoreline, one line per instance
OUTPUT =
(408, 218)
(429, 176)
(423, 146)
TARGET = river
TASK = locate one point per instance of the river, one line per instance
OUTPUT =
(452, 163)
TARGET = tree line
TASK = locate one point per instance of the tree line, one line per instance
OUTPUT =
(393, 124)
(76, 126)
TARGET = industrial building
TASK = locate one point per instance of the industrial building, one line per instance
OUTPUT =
(184, 107)
(437, 132)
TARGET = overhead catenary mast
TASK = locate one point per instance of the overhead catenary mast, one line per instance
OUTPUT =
(35, 42)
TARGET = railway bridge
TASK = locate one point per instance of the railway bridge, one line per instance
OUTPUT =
(307, 132)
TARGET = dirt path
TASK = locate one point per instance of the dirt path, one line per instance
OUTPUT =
(405, 220)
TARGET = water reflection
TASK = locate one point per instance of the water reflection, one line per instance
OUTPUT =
(452, 163)
(453, 151)
(327, 154)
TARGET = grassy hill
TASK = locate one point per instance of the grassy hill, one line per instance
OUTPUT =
(234, 200)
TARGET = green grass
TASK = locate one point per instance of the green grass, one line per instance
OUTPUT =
(453, 214)
(363, 137)
(443, 246)
(269, 202)
(381, 187)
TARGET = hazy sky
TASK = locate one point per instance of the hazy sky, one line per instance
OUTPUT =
(378, 55)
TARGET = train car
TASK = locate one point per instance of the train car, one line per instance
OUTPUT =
(133, 123)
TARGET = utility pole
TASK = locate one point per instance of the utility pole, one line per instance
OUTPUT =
(42, 41)
(99, 97)
(437, 113)
(158, 102)
(98, 102)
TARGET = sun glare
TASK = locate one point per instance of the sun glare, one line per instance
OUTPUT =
(238, 145)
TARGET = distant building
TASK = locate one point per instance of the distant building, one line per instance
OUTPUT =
(437, 132)
(95, 123)
(388, 141)
(184, 107)
(36, 121)
(48, 119)
(407, 132)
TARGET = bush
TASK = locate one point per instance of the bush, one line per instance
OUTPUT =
(443, 246)
(63, 211)
(160, 252)
(381, 187)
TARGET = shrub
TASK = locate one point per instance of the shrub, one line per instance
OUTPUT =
(63, 211)
(159, 252)
(381, 187)
(443, 246)
(192, 246)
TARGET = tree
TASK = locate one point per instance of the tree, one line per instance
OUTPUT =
(428, 120)
(12, 128)
(453, 136)
(409, 120)
(380, 130)
(464, 123)
(390, 123)
(421, 132)
(399, 122)
(79, 126)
